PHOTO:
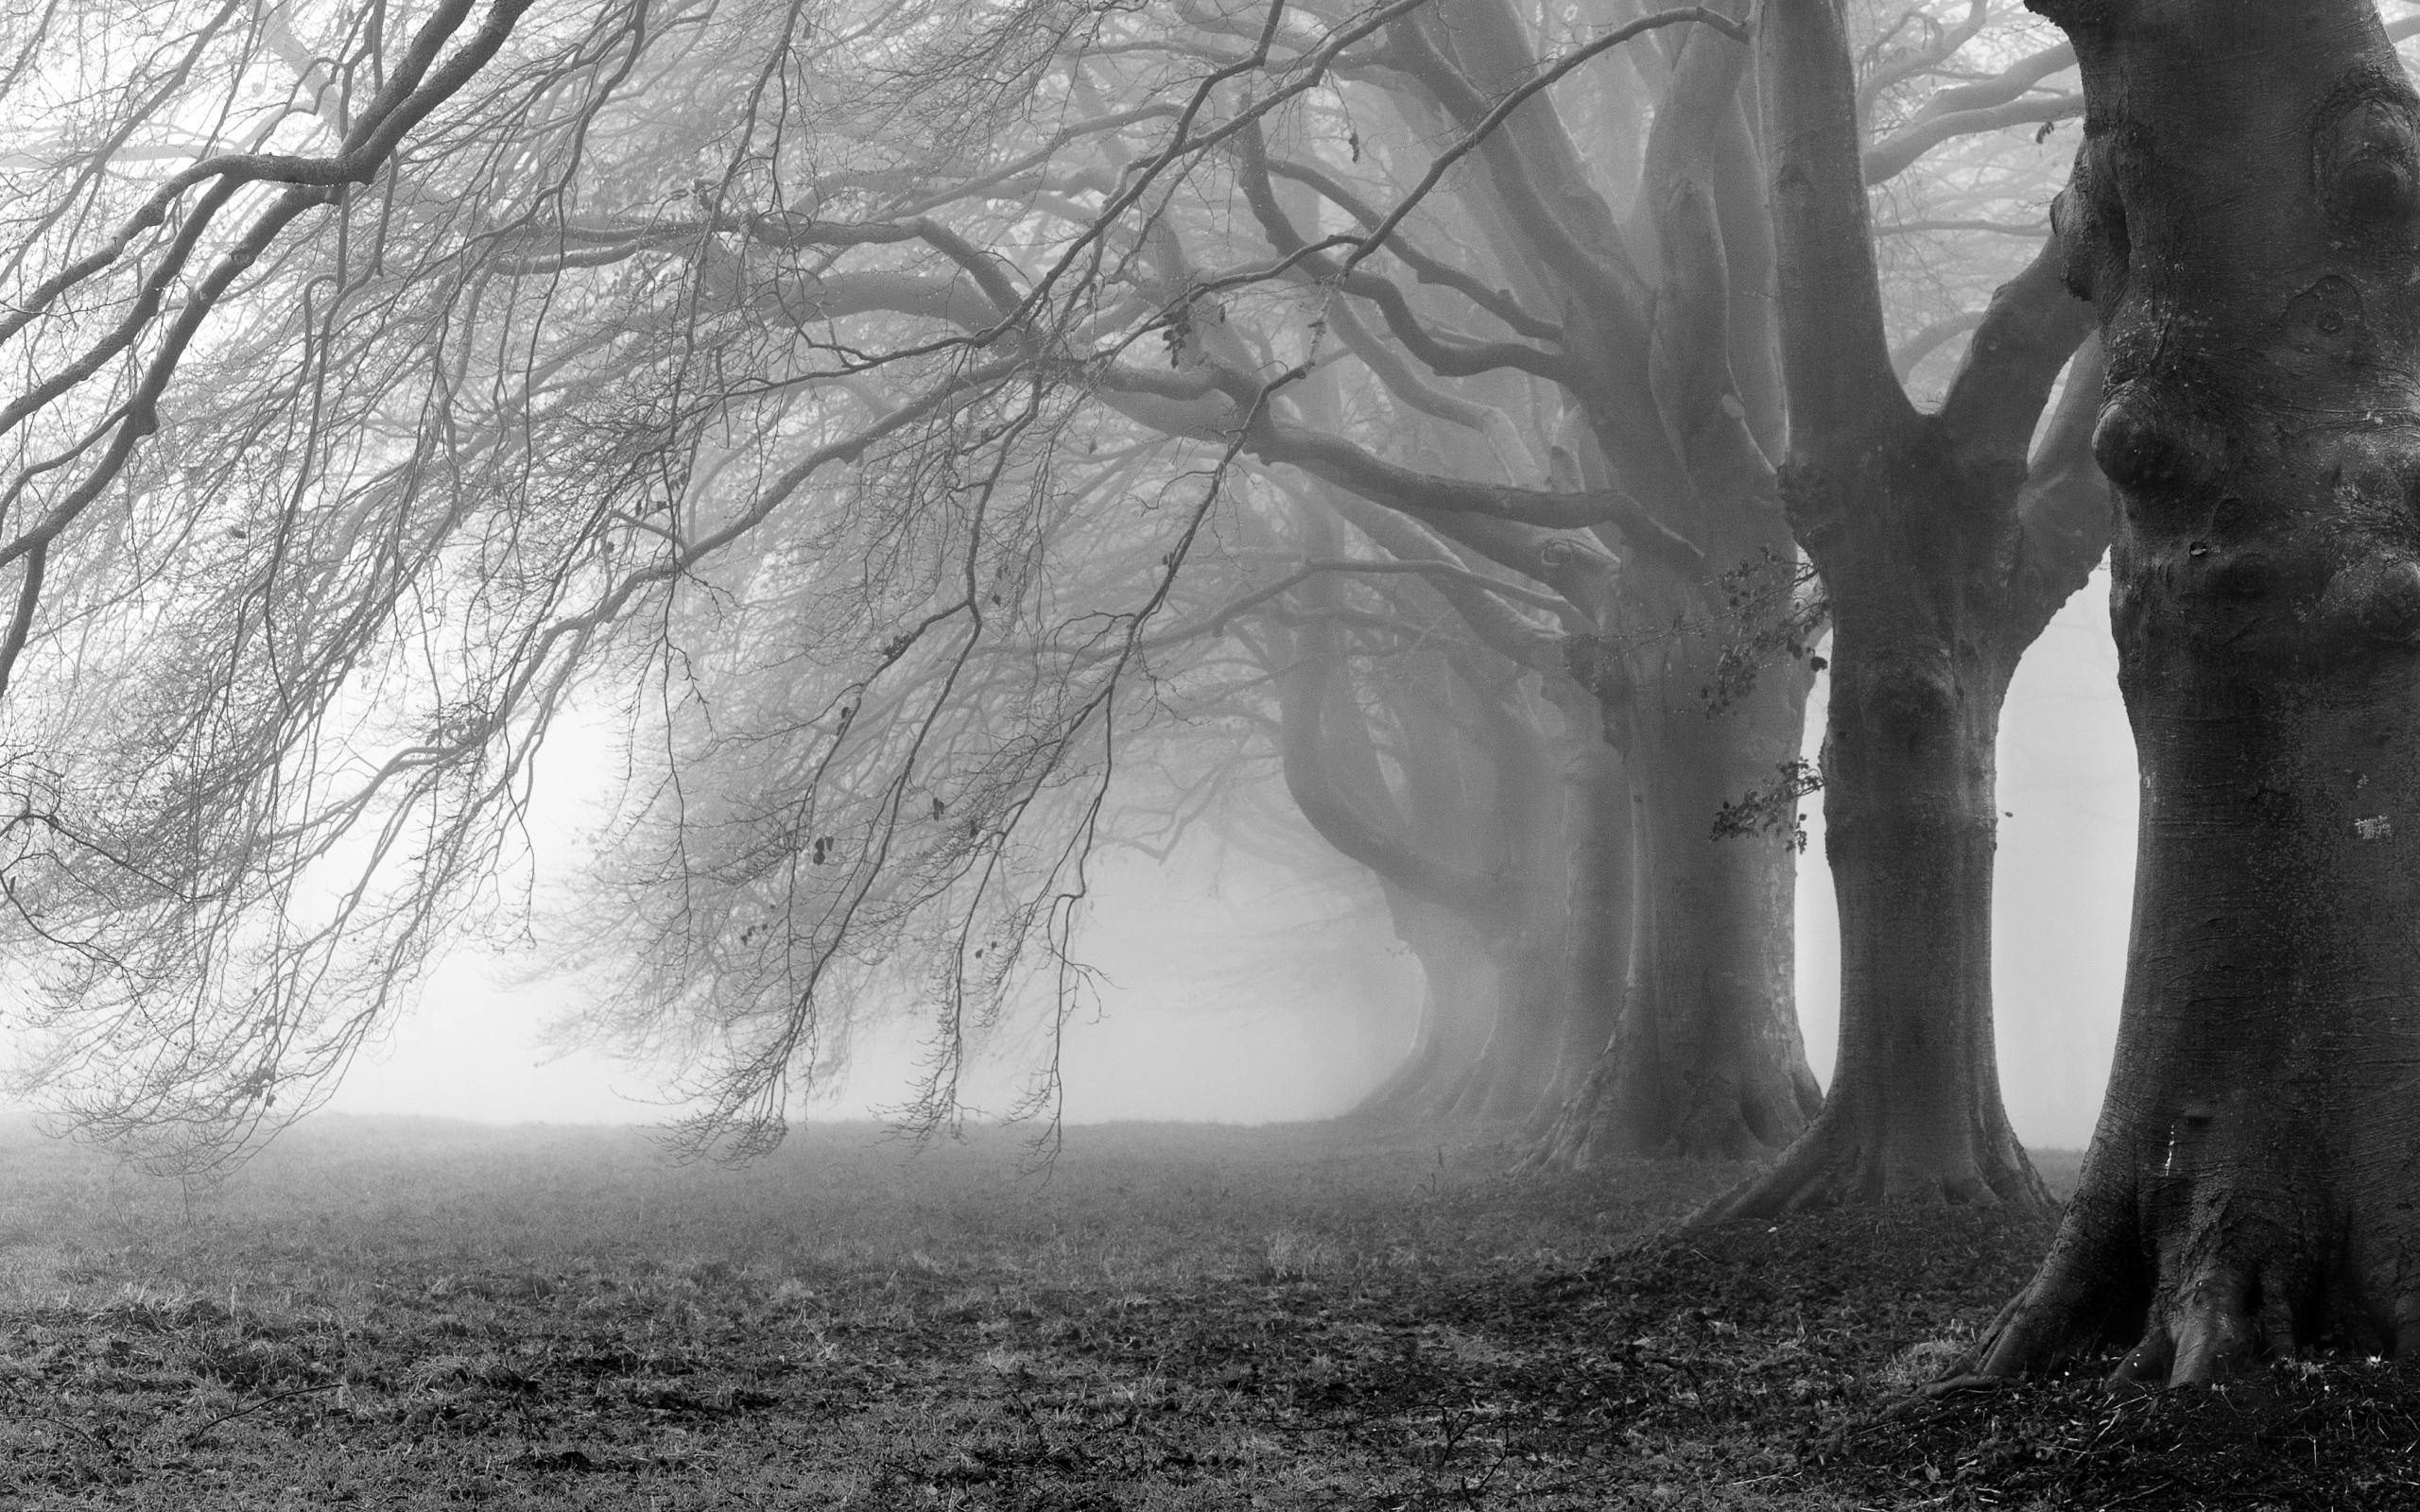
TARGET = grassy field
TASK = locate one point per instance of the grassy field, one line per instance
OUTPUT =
(385, 1313)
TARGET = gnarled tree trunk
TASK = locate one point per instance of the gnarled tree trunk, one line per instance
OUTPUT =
(2243, 215)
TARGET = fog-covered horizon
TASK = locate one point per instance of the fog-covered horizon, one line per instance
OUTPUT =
(1193, 1027)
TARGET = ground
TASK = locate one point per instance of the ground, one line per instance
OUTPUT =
(384, 1313)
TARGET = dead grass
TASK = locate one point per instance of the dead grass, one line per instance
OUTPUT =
(391, 1313)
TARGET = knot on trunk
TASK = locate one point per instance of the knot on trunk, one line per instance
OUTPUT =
(2365, 153)
(2379, 597)
(2150, 448)
(1597, 663)
(2329, 320)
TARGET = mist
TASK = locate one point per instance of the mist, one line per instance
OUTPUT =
(1065, 755)
(1233, 989)
(1222, 988)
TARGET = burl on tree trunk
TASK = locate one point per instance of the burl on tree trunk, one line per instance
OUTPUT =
(2243, 215)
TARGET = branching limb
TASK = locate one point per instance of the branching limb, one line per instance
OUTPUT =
(1835, 360)
(1339, 461)
(2031, 329)
(2065, 511)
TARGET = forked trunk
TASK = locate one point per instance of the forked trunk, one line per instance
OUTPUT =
(2243, 211)
(1945, 545)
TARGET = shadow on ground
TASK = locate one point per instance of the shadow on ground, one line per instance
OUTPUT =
(389, 1313)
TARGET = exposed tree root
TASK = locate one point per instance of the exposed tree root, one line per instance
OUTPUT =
(1843, 1159)
(1726, 1117)
(2203, 1292)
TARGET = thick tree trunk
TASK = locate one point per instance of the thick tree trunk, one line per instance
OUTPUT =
(1910, 830)
(2243, 212)
(1706, 1059)
(1944, 550)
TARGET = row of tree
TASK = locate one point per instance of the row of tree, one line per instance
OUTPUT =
(938, 432)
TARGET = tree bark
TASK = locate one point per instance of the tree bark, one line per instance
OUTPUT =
(2243, 215)
(1943, 550)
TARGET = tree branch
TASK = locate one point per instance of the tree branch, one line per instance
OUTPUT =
(1835, 360)
(2032, 327)
(1885, 160)
(2009, 85)
(1452, 359)
(1495, 117)
(1304, 693)
(1495, 302)
(1340, 462)
(1497, 624)
(2065, 512)
(1942, 48)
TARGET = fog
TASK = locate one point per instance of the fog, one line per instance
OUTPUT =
(821, 701)
(1234, 992)
(1234, 989)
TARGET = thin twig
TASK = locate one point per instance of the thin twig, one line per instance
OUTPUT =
(245, 1411)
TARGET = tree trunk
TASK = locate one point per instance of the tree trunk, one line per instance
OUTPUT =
(1557, 965)
(1910, 830)
(1459, 1000)
(2243, 215)
(1944, 549)
(1548, 822)
(1600, 886)
(1707, 1060)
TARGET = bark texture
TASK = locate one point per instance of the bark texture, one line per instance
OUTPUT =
(2243, 215)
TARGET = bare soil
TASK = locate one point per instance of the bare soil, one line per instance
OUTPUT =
(387, 1313)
